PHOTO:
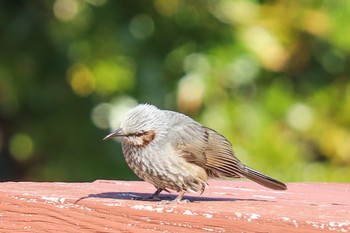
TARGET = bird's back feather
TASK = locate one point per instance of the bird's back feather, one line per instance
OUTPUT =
(208, 149)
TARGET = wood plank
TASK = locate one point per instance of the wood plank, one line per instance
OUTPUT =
(121, 206)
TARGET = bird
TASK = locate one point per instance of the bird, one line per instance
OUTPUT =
(172, 151)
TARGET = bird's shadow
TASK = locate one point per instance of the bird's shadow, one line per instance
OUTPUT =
(147, 197)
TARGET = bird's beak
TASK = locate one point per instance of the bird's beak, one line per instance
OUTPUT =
(116, 133)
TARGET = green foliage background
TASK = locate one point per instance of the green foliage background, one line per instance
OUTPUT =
(271, 76)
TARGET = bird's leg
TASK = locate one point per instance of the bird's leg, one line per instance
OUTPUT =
(178, 199)
(155, 195)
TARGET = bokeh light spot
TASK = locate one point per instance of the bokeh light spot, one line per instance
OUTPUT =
(21, 147)
(190, 93)
(113, 74)
(65, 10)
(300, 117)
(197, 63)
(266, 46)
(119, 108)
(81, 80)
(233, 12)
(141, 26)
(167, 7)
(100, 115)
(316, 22)
(243, 70)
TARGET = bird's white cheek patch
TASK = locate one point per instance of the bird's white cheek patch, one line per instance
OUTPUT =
(133, 141)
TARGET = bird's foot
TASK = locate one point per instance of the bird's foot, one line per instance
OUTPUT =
(177, 200)
(155, 196)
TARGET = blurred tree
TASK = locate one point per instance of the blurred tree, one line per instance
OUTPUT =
(272, 76)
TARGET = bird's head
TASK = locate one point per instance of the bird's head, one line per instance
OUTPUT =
(141, 125)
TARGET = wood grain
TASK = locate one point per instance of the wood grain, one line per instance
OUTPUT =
(121, 206)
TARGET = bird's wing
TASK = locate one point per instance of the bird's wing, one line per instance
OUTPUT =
(220, 158)
(221, 162)
(188, 138)
(203, 146)
(212, 151)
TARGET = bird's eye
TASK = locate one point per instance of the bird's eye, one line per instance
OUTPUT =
(139, 134)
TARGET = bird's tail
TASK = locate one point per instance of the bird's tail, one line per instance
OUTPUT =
(262, 179)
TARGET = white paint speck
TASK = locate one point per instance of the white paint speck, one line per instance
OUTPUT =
(53, 199)
(208, 229)
(33, 200)
(148, 207)
(339, 224)
(188, 212)
(287, 219)
(169, 210)
(295, 223)
(113, 204)
(207, 215)
(85, 208)
(254, 216)
(314, 224)
(342, 226)
(333, 226)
